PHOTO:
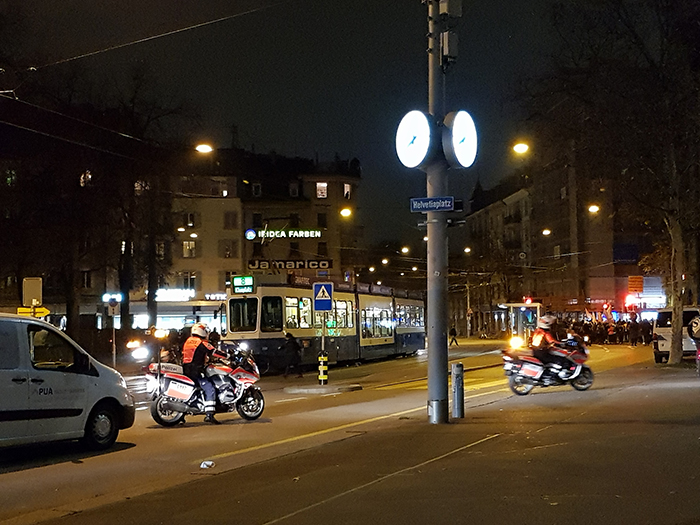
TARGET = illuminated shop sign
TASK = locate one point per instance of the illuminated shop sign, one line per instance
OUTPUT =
(215, 296)
(175, 295)
(292, 264)
(251, 234)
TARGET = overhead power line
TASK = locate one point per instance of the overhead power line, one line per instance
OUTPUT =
(153, 37)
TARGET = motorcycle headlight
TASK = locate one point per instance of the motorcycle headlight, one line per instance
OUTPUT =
(516, 342)
(243, 346)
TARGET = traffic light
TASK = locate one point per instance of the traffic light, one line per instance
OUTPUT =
(527, 300)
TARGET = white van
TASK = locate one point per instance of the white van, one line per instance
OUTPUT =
(51, 389)
(662, 333)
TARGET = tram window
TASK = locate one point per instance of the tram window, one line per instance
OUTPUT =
(385, 328)
(305, 312)
(243, 314)
(271, 314)
(291, 312)
(343, 312)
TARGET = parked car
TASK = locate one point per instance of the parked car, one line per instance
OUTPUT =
(662, 334)
(51, 389)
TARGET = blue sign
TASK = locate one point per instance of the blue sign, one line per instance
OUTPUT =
(432, 204)
(323, 297)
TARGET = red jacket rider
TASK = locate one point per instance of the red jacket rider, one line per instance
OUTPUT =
(545, 346)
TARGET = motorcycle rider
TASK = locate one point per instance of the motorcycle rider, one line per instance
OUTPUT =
(195, 355)
(547, 348)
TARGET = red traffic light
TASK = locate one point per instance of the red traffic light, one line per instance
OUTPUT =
(527, 300)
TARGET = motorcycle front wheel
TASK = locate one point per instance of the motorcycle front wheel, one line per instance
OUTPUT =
(164, 416)
(251, 405)
(519, 386)
(584, 379)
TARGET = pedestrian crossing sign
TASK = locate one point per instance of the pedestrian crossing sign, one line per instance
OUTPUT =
(323, 297)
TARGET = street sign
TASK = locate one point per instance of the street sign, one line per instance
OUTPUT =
(635, 284)
(323, 297)
(432, 204)
(31, 291)
(33, 312)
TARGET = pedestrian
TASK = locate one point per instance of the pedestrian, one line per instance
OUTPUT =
(634, 332)
(292, 352)
(453, 336)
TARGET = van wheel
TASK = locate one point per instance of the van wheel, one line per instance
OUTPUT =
(101, 428)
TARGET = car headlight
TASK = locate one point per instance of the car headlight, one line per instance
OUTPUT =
(140, 354)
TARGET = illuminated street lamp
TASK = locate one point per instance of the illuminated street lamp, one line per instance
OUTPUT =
(404, 249)
(593, 208)
(204, 148)
(521, 148)
(467, 250)
(546, 232)
(346, 212)
(371, 268)
(385, 261)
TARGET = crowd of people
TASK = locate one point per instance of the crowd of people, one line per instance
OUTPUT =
(631, 332)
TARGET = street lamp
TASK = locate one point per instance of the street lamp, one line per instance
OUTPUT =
(385, 261)
(467, 250)
(593, 208)
(521, 148)
(546, 232)
(204, 148)
(404, 249)
(346, 212)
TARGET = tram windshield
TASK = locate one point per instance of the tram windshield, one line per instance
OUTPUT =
(243, 314)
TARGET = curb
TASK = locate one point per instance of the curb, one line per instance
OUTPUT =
(322, 389)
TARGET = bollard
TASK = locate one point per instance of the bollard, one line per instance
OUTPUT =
(457, 390)
(322, 368)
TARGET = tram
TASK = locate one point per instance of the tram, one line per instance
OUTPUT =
(366, 322)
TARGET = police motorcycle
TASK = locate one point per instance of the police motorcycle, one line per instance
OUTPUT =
(525, 371)
(233, 373)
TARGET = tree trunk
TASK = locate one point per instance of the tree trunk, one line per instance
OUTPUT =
(677, 271)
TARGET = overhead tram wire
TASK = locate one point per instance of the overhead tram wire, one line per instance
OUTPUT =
(168, 33)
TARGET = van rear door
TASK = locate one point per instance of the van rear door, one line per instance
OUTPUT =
(14, 385)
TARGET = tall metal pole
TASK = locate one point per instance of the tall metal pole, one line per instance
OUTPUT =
(437, 238)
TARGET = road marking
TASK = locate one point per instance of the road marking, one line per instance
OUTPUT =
(310, 434)
(291, 399)
(379, 480)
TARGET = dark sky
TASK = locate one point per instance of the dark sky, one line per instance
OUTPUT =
(316, 77)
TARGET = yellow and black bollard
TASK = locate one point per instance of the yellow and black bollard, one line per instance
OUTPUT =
(322, 368)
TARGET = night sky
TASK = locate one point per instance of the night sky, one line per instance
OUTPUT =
(316, 77)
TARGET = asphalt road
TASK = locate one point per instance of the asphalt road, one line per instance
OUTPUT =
(625, 451)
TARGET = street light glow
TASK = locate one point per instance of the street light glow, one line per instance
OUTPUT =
(546, 232)
(415, 268)
(385, 261)
(204, 148)
(467, 250)
(371, 268)
(594, 208)
(346, 212)
(425, 238)
(521, 148)
(404, 249)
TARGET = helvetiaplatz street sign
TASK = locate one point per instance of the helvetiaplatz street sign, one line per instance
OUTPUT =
(424, 205)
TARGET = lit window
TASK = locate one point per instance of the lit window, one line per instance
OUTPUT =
(85, 178)
(189, 249)
(188, 280)
(347, 190)
(321, 190)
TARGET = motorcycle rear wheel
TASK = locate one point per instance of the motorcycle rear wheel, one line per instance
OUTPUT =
(584, 380)
(519, 386)
(251, 405)
(162, 416)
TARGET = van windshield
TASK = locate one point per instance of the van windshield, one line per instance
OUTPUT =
(663, 320)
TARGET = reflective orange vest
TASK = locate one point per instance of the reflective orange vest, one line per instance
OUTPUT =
(190, 346)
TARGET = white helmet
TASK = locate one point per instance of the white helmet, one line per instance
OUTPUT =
(200, 330)
(546, 321)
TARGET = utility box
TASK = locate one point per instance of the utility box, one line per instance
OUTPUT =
(451, 8)
(449, 44)
(32, 291)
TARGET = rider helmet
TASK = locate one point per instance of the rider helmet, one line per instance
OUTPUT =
(200, 330)
(546, 321)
